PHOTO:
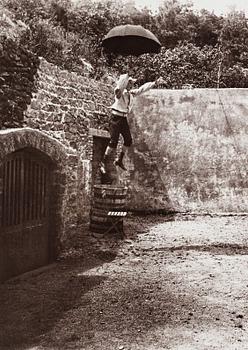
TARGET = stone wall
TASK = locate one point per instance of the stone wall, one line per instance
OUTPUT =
(197, 145)
(18, 68)
(190, 146)
(61, 104)
(67, 106)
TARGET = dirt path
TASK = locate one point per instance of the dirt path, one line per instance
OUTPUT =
(178, 285)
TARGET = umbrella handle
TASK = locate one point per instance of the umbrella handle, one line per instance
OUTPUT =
(131, 62)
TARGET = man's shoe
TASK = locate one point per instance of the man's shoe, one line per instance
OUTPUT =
(120, 164)
(103, 168)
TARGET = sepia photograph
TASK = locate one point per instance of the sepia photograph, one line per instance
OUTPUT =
(123, 175)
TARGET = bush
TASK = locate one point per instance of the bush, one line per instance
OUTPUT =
(213, 51)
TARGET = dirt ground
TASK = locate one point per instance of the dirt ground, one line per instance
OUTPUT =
(178, 283)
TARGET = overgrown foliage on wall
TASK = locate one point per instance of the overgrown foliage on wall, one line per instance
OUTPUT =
(199, 48)
(18, 68)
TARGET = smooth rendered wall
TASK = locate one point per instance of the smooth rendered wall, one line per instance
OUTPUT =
(197, 142)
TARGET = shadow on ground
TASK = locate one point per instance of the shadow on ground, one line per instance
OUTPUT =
(31, 307)
(217, 249)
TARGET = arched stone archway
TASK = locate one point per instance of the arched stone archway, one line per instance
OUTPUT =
(12, 140)
(33, 167)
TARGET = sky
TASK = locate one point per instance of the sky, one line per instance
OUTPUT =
(218, 6)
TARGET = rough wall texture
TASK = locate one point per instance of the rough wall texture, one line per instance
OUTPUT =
(66, 106)
(197, 141)
(190, 146)
(61, 104)
(18, 68)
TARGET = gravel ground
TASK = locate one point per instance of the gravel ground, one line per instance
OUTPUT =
(178, 283)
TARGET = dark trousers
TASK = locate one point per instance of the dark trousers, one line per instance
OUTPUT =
(119, 125)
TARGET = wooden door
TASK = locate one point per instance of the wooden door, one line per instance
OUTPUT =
(24, 213)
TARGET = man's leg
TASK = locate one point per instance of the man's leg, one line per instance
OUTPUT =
(114, 131)
(119, 161)
(109, 150)
(125, 132)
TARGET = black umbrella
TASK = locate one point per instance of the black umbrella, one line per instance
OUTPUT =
(131, 39)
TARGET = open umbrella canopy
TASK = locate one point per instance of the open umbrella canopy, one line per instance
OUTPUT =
(131, 39)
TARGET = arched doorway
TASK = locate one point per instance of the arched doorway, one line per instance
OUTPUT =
(25, 217)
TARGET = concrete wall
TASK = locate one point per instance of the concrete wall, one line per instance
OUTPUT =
(196, 142)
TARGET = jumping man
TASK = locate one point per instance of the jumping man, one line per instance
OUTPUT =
(124, 94)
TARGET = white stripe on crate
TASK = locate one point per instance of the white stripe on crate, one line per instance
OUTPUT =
(117, 213)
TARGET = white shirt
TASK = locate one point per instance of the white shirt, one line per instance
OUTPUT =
(124, 104)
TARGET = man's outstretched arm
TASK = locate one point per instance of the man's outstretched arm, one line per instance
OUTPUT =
(147, 86)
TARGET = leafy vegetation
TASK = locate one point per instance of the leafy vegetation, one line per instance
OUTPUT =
(198, 48)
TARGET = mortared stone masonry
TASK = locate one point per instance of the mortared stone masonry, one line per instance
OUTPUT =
(189, 151)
